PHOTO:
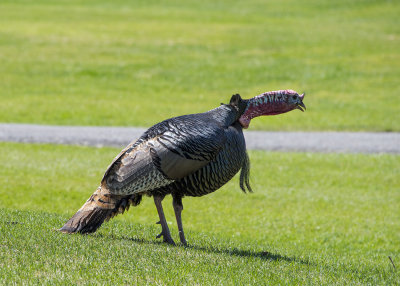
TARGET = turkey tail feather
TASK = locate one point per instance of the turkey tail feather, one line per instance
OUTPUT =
(100, 207)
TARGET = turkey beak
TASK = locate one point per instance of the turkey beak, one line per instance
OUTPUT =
(300, 105)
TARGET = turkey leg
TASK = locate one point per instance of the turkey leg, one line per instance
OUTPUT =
(178, 207)
(165, 230)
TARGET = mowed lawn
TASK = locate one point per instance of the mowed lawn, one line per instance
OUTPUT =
(134, 63)
(312, 219)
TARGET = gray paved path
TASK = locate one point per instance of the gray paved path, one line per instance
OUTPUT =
(341, 142)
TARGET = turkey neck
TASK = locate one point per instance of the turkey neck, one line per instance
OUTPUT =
(269, 103)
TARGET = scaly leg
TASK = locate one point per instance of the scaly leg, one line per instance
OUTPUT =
(178, 207)
(165, 230)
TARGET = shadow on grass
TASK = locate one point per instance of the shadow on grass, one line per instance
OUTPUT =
(265, 255)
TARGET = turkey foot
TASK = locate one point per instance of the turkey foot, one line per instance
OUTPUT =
(166, 238)
(165, 230)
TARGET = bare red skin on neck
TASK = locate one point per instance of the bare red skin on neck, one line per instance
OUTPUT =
(269, 103)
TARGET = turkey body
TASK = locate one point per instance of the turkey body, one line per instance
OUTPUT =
(190, 155)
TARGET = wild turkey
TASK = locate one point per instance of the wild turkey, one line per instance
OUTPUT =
(189, 155)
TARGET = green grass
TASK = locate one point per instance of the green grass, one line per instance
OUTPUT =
(313, 219)
(138, 62)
